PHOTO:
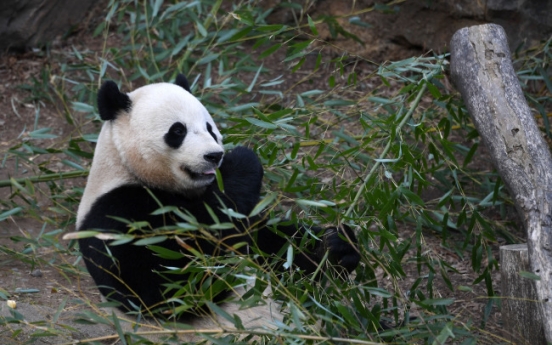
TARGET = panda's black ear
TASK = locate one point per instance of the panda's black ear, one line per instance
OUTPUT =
(111, 101)
(182, 82)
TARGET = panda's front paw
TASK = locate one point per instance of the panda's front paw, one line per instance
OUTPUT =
(342, 247)
(242, 163)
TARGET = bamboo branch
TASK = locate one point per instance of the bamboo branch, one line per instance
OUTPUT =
(44, 178)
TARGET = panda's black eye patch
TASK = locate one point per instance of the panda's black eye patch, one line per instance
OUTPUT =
(210, 130)
(176, 134)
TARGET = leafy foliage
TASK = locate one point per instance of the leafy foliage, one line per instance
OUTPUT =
(390, 153)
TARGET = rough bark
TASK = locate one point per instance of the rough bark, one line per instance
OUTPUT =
(483, 73)
(522, 321)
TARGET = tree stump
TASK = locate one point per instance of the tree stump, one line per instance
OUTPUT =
(520, 313)
(482, 71)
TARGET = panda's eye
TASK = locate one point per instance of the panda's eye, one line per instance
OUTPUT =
(210, 130)
(176, 134)
(178, 131)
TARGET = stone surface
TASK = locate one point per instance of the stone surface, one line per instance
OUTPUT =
(30, 23)
(415, 24)
(429, 25)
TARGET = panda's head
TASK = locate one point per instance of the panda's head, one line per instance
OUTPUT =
(164, 136)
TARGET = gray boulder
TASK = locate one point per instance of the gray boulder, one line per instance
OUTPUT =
(30, 23)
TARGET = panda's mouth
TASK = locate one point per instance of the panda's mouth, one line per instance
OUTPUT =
(208, 174)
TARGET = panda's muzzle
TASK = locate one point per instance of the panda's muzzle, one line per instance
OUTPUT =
(213, 159)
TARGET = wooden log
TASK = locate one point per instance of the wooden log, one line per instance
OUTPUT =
(520, 313)
(482, 71)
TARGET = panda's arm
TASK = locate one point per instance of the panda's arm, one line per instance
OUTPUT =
(309, 251)
(242, 174)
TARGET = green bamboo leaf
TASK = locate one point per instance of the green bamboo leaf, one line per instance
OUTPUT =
(10, 213)
(222, 226)
(289, 257)
(269, 51)
(381, 100)
(311, 93)
(43, 133)
(378, 292)
(80, 234)
(242, 107)
(118, 328)
(470, 154)
(156, 7)
(226, 35)
(264, 203)
(201, 29)
(250, 87)
(175, 8)
(529, 275)
(437, 301)
(312, 26)
(244, 16)
(259, 123)
(355, 20)
(165, 253)
(150, 240)
(72, 164)
(93, 138)
(218, 178)
(82, 107)
(444, 335)
(181, 44)
(208, 58)
(89, 317)
(241, 33)
(60, 308)
(20, 290)
(163, 210)
(321, 203)
(230, 212)
(121, 239)
(411, 196)
(433, 90)
(218, 310)
(345, 312)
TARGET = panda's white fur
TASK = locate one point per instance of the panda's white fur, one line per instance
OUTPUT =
(133, 152)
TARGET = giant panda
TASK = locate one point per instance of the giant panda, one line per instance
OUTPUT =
(159, 147)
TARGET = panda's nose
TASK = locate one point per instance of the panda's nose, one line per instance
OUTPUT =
(213, 157)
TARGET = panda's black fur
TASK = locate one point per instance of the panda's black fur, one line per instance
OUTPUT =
(117, 268)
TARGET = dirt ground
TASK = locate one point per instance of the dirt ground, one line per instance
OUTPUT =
(49, 289)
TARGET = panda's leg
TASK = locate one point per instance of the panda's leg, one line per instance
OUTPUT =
(310, 245)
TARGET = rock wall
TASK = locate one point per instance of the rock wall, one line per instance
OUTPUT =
(523, 20)
(420, 25)
(29, 23)
(417, 25)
